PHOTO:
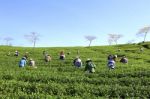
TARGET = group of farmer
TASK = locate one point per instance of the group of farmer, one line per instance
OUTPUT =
(112, 59)
(24, 60)
(89, 67)
(77, 62)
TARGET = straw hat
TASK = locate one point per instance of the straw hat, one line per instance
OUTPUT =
(23, 57)
(88, 59)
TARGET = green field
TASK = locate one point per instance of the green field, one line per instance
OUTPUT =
(57, 79)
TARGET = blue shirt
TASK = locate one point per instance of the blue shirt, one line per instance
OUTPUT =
(22, 63)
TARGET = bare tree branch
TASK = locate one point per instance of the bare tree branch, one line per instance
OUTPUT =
(143, 32)
(33, 37)
(90, 39)
(114, 38)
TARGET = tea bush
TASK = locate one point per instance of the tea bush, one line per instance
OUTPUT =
(60, 79)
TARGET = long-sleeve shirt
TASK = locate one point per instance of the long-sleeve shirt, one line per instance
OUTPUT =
(22, 63)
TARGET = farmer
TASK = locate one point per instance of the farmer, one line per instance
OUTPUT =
(62, 55)
(44, 53)
(48, 58)
(141, 49)
(90, 66)
(9, 53)
(110, 57)
(26, 55)
(32, 63)
(77, 62)
(124, 60)
(115, 58)
(16, 53)
(22, 62)
(111, 64)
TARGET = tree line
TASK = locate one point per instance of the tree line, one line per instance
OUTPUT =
(33, 37)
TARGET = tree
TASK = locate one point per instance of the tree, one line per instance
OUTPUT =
(114, 38)
(90, 39)
(33, 37)
(8, 39)
(144, 31)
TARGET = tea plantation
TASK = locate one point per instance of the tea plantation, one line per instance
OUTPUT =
(61, 80)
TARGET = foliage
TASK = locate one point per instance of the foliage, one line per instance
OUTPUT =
(33, 37)
(114, 38)
(60, 79)
(143, 32)
(90, 39)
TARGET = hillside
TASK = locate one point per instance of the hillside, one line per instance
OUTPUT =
(59, 79)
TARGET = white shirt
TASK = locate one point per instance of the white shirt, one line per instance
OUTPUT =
(32, 63)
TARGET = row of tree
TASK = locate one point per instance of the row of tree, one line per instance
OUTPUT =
(33, 37)
(115, 37)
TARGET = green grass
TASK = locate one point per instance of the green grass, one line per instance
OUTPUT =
(58, 80)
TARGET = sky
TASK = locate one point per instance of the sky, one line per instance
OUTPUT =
(67, 22)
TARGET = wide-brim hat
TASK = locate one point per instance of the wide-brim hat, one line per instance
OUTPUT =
(23, 57)
(88, 59)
